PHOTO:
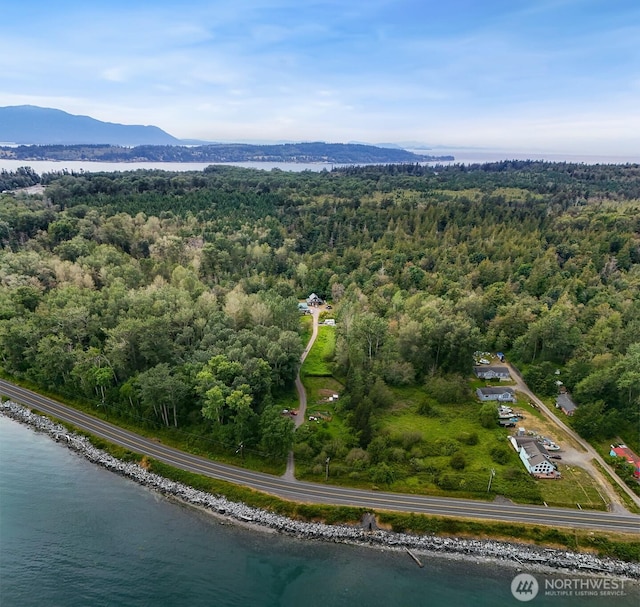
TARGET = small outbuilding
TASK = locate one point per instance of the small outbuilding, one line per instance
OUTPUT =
(303, 308)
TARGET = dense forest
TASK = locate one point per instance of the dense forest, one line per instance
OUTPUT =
(172, 297)
(220, 152)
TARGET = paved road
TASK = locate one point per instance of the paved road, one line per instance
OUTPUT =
(590, 452)
(325, 494)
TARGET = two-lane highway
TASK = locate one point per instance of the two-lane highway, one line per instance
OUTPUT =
(324, 494)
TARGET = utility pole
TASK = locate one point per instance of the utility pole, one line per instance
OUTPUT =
(493, 473)
(326, 476)
(240, 450)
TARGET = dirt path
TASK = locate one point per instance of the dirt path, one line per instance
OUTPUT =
(302, 394)
(579, 452)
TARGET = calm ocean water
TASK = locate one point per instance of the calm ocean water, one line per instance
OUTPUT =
(73, 534)
(464, 156)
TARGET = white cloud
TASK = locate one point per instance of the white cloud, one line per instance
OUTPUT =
(280, 69)
(115, 74)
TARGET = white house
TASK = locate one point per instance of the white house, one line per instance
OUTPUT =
(534, 457)
(496, 393)
(492, 372)
(314, 300)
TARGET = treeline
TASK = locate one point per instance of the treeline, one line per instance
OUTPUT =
(220, 152)
(174, 294)
(23, 177)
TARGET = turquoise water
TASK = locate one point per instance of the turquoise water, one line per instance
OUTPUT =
(73, 534)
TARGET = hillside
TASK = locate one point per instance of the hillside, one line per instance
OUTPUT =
(28, 124)
(50, 134)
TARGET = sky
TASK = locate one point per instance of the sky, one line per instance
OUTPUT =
(558, 76)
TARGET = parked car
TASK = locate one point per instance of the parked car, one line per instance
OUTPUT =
(329, 307)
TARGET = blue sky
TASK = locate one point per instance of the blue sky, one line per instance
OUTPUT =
(537, 75)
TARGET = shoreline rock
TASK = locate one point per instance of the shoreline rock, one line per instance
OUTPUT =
(504, 553)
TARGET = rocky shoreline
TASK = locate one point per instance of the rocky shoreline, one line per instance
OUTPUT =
(506, 553)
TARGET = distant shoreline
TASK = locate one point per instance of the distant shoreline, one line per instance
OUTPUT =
(305, 152)
(504, 553)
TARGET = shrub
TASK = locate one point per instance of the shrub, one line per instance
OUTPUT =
(397, 454)
(380, 395)
(382, 474)
(500, 454)
(399, 373)
(447, 446)
(458, 461)
(468, 438)
(377, 449)
(449, 389)
(410, 439)
(448, 482)
(426, 408)
(488, 415)
(358, 459)
(417, 464)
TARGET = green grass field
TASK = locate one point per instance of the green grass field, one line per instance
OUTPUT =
(318, 405)
(575, 487)
(318, 361)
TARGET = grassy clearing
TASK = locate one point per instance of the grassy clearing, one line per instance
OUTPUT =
(328, 412)
(575, 487)
(452, 422)
(424, 449)
(318, 361)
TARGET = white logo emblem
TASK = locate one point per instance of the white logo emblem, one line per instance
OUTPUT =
(524, 587)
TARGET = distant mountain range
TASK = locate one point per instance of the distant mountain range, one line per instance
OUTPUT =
(29, 124)
(50, 134)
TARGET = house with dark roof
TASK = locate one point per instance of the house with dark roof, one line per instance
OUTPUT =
(496, 393)
(492, 372)
(314, 300)
(564, 402)
(534, 457)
